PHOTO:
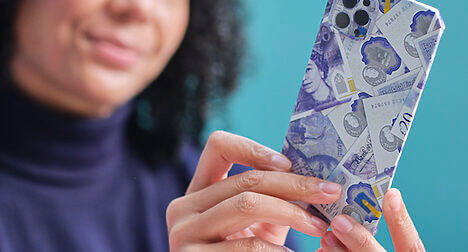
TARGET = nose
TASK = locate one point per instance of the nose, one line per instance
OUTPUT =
(132, 10)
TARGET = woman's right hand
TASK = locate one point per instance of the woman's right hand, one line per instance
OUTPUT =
(247, 212)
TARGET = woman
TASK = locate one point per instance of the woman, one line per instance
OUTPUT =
(102, 102)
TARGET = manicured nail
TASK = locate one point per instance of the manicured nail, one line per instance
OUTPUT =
(330, 188)
(281, 162)
(395, 201)
(342, 224)
(330, 240)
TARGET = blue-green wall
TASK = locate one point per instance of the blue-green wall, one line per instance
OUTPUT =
(433, 171)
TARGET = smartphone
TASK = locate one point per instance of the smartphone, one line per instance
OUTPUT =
(358, 98)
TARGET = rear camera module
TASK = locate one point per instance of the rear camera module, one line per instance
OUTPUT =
(355, 19)
(361, 17)
(342, 20)
(350, 3)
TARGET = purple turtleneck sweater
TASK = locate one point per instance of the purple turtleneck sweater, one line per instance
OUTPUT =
(76, 184)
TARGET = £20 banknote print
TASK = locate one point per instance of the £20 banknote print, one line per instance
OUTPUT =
(358, 98)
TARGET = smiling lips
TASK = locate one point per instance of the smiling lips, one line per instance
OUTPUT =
(113, 52)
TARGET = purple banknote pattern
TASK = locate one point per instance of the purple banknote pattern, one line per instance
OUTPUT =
(313, 146)
(324, 71)
(358, 98)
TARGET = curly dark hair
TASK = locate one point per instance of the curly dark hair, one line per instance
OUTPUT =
(203, 72)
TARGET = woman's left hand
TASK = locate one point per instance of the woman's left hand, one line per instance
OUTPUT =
(348, 235)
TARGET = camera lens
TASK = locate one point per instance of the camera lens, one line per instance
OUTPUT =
(342, 20)
(361, 17)
(349, 3)
(366, 3)
(356, 32)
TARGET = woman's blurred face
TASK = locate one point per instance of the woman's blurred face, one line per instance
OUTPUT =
(90, 56)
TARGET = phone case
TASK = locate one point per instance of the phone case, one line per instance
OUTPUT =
(359, 95)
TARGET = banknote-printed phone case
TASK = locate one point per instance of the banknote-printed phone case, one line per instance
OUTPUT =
(359, 95)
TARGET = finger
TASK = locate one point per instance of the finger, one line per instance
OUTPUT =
(265, 231)
(334, 249)
(353, 235)
(405, 237)
(245, 209)
(223, 149)
(286, 186)
(246, 244)
(330, 243)
(270, 232)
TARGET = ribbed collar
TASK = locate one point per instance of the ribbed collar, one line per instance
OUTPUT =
(42, 144)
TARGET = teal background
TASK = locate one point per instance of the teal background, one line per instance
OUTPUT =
(433, 170)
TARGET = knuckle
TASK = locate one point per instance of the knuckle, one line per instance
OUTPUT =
(172, 211)
(304, 186)
(247, 202)
(252, 244)
(403, 222)
(364, 242)
(217, 138)
(258, 152)
(417, 246)
(249, 180)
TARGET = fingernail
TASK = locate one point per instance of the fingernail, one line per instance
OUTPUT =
(330, 188)
(281, 162)
(318, 223)
(342, 224)
(330, 240)
(395, 201)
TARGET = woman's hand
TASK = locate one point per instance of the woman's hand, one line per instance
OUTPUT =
(249, 211)
(348, 235)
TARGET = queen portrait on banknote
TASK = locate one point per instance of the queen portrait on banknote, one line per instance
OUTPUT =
(103, 103)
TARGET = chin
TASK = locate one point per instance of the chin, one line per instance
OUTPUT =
(108, 88)
(310, 87)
